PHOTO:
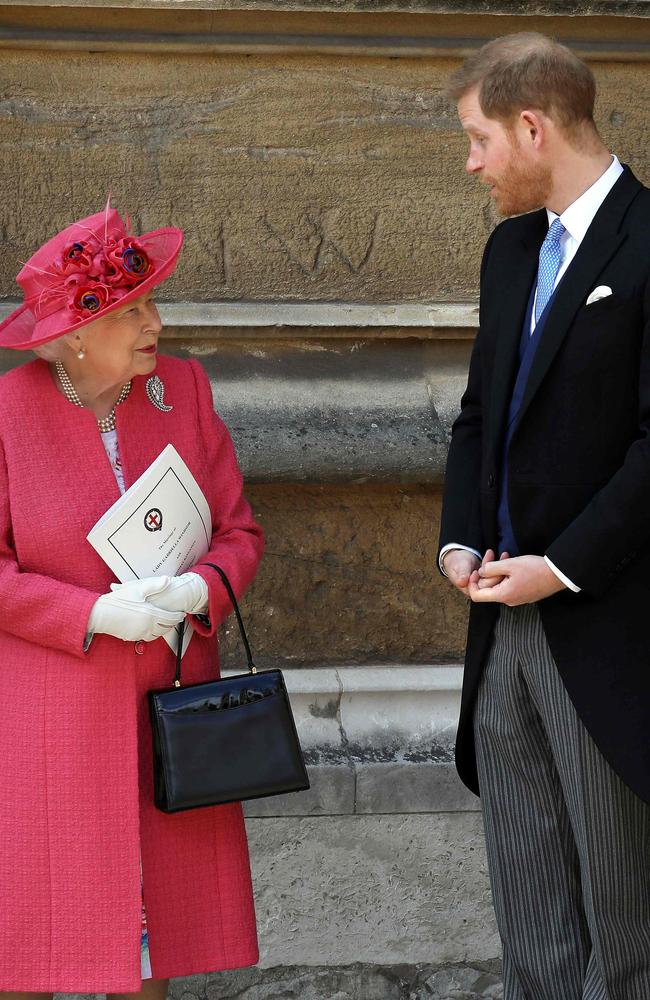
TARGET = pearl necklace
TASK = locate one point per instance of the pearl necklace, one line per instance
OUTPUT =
(105, 424)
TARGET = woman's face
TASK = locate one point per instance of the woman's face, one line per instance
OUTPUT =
(121, 345)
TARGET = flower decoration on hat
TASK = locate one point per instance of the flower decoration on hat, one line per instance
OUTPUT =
(90, 298)
(77, 257)
(108, 270)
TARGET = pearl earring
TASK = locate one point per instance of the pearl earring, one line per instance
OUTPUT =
(81, 354)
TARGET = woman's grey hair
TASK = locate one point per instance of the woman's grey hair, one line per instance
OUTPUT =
(55, 350)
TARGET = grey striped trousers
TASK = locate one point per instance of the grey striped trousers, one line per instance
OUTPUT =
(568, 843)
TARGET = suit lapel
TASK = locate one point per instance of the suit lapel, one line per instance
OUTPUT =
(521, 266)
(602, 240)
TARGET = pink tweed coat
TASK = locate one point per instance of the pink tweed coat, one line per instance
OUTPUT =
(76, 803)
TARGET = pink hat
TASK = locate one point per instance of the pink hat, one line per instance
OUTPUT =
(86, 271)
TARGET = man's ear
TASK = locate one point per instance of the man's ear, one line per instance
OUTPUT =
(532, 127)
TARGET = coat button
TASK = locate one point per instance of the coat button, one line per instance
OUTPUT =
(139, 647)
(490, 482)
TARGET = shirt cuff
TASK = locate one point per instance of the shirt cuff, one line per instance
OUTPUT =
(560, 575)
(454, 545)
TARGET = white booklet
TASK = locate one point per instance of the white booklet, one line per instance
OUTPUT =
(161, 526)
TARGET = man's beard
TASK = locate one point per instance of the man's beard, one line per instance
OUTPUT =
(522, 187)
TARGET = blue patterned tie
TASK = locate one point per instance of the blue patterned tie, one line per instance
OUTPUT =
(550, 258)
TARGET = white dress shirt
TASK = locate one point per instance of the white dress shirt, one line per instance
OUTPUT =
(576, 220)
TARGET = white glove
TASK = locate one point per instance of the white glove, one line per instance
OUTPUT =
(187, 593)
(130, 620)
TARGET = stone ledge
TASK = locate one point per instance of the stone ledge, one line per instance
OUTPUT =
(249, 43)
(324, 315)
(628, 8)
(377, 741)
(210, 316)
(342, 31)
(361, 707)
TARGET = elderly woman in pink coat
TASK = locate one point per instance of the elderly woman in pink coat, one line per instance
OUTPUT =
(100, 892)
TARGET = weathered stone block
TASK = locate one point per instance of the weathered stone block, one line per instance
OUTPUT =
(332, 793)
(292, 179)
(406, 787)
(349, 576)
(374, 889)
(337, 411)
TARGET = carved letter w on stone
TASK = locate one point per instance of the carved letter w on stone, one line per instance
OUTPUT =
(318, 239)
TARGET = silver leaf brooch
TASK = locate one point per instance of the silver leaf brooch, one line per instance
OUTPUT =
(156, 393)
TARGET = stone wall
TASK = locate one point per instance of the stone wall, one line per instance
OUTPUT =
(328, 284)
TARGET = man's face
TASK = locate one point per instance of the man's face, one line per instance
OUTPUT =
(504, 159)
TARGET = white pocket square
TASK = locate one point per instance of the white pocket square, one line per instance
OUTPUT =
(599, 293)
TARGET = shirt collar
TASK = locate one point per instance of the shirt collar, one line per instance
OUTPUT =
(577, 218)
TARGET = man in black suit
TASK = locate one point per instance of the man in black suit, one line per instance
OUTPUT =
(546, 528)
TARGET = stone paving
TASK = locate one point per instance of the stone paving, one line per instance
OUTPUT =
(481, 981)
(357, 982)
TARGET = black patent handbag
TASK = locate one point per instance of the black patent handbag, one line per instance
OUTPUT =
(225, 740)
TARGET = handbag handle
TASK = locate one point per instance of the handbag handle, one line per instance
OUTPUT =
(252, 669)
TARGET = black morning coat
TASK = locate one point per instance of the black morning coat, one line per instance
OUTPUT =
(579, 464)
